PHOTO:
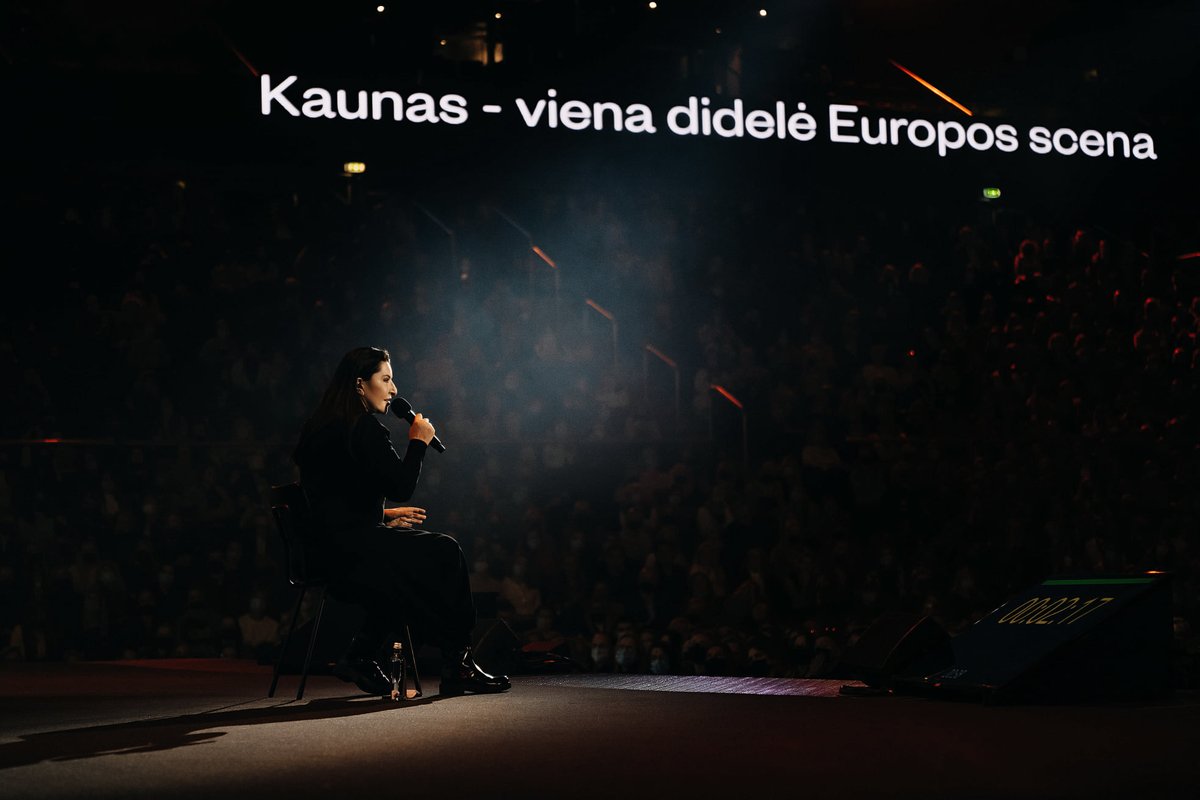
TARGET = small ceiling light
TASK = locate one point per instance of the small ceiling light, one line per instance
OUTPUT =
(762, 12)
(354, 167)
(380, 9)
(442, 42)
(717, 30)
(498, 15)
(991, 193)
(652, 5)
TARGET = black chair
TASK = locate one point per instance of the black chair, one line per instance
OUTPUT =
(297, 528)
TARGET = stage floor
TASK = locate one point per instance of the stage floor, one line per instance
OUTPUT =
(196, 728)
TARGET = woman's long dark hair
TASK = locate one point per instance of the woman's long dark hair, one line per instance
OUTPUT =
(341, 402)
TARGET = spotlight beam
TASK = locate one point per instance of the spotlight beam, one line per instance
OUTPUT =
(540, 253)
(721, 390)
(932, 88)
(238, 53)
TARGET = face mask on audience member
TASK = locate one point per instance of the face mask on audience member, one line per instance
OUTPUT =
(626, 657)
(599, 654)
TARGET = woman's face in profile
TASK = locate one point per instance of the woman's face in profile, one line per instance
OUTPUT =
(377, 391)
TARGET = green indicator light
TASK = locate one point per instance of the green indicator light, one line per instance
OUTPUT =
(991, 193)
(1097, 581)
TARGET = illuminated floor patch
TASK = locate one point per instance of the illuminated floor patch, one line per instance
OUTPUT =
(801, 687)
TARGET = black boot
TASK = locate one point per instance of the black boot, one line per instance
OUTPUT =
(360, 667)
(462, 675)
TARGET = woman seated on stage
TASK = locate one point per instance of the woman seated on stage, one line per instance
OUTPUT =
(348, 468)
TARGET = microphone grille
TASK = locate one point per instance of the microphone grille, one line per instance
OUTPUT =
(400, 407)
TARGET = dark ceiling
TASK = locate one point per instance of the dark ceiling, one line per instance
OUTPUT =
(1039, 54)
(111, 82)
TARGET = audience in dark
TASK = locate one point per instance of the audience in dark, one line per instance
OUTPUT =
(941, 408)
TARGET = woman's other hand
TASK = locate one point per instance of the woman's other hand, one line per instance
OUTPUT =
(404, 516)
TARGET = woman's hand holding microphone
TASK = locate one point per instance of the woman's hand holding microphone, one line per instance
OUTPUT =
(421, 428)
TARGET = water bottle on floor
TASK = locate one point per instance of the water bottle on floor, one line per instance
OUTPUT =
(399, 690)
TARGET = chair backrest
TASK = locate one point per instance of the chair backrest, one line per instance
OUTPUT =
(297, 528)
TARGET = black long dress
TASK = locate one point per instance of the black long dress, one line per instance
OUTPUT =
(347, 471)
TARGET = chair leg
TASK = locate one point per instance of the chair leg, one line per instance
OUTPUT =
(412, 659)
(312, 641)
(287, 640)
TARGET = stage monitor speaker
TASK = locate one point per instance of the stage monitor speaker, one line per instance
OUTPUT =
(897, 642)
(1064, 639)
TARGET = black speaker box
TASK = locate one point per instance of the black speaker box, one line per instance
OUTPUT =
(897, 642)
(1062, 640)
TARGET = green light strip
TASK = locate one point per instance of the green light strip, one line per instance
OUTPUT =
(1096, 581)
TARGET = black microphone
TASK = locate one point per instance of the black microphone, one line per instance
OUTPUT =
(403, 409)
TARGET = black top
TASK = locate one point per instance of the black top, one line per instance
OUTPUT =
(347, 475)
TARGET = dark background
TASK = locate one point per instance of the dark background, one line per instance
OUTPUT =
(145, 192)
(141, 87)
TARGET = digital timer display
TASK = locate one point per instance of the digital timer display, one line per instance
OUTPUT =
(1053, 610)
(1060, 630)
